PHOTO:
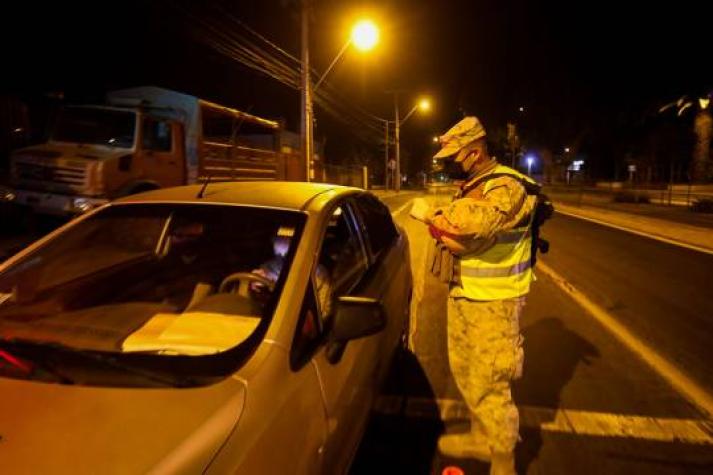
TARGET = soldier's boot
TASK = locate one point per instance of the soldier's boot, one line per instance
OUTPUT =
(472, 445)
(503, 463)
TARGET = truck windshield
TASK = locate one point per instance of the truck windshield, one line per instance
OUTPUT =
(153, 279)
(89, 125)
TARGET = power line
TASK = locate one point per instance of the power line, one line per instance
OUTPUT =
(223, 34)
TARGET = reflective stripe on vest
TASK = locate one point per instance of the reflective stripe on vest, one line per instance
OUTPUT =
(505, 269)
(496, 271)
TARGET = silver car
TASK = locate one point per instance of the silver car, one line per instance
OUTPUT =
(243, 328)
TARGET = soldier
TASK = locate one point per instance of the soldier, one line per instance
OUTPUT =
(484, 245)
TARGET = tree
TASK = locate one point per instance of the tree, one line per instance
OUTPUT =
(703, 128)
(701, 168)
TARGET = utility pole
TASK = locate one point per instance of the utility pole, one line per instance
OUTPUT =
(386, 155)
(307, 119)
(397, 178)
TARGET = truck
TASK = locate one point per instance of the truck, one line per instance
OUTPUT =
(145, 138)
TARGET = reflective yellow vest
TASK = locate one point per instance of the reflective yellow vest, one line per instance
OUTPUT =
(504, 270)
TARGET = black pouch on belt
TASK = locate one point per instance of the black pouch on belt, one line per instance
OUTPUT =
(441, 262)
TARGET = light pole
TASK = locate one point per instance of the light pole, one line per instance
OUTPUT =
(364, 37)
(386, 155)
(423, 105)
(397, 137)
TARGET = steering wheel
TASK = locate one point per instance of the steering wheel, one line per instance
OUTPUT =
(244, 278)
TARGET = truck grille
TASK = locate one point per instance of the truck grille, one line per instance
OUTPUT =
(51, 173)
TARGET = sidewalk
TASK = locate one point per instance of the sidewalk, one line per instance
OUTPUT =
(673, 224)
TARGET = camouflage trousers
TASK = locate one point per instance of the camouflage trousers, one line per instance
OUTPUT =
(485, 354)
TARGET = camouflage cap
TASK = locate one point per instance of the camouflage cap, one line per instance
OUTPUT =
(463, 133)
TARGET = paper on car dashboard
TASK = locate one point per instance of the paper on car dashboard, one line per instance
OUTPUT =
(191, 333)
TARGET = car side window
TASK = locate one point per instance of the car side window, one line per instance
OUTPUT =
(156, 135)
(378, 226)
(341, 263)
(308, 333)
(342, 259)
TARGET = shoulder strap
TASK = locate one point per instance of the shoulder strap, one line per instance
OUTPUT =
(531, 186)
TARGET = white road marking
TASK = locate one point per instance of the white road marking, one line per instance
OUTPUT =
(586, 423)
(639, 233)
(679, 380)
(401, 208)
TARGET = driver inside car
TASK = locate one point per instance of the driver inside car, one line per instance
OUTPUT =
(272, 270)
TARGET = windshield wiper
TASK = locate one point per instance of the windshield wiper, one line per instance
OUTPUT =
(35, 363)
(104, 360)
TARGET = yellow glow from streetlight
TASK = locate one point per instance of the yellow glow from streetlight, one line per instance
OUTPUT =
(703, 102)
(435, 139)
(365, 35)
(424, 105)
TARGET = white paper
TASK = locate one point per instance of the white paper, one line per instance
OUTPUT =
(420, 209)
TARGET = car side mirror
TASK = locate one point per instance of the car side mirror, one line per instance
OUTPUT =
(356, 317)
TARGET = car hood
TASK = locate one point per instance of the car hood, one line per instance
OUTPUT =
(53, 428)
(62, 152)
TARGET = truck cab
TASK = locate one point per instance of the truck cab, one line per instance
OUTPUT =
(97, 153)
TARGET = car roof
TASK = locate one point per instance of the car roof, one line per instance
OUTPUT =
(271, 194)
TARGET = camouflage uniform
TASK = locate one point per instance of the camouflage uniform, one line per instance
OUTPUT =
(484, 340)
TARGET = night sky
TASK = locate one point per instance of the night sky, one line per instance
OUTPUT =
(573, 65)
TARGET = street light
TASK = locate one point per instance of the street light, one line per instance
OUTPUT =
(364, 35)
(424, 105)
(530, 160)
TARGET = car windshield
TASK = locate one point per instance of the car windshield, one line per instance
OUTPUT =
(87, 125)
(162, 279)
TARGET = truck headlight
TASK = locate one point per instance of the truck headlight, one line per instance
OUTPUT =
(7, 195)
(82, 204)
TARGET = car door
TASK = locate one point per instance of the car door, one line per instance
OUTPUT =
(389, 276)
(162, 151)
(346, 371)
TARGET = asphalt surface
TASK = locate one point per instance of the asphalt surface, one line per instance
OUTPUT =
(588, 403)
(660, 291)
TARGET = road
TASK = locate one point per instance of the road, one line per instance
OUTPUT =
(588, 402)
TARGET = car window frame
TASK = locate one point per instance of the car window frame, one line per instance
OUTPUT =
(374, 257)
(349, 208)
(301, 356)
